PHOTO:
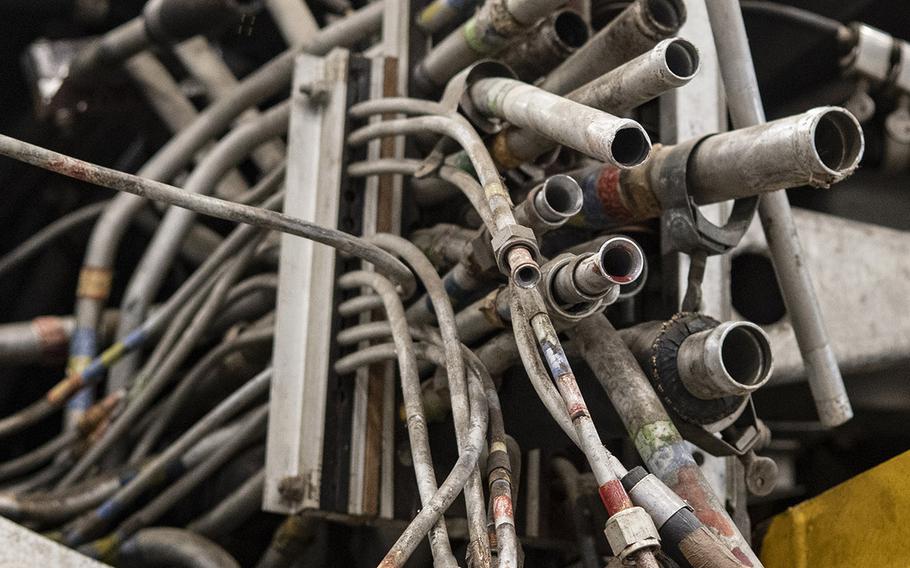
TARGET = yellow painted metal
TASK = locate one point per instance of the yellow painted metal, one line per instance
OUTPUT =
(863, 522)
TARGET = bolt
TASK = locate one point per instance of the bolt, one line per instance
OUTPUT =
(292, 487)
(317, 92)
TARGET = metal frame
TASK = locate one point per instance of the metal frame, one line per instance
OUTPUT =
(297, 406)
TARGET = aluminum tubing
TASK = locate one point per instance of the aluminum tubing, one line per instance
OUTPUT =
(817, 148)
(744, 101)
(634, 31)
(656, 438)
(487, 32)
(590, 277)
(617, 141)
(550, 204)
(733, 359)
(541, 48)
(671, 64)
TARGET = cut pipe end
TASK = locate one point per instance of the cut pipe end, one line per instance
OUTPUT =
(559, 198)
(733, 359)
(837, 140)
(666, 16)
(620, 260)
(571, 29)
(523, 269)
(680, 57)
(630, 145)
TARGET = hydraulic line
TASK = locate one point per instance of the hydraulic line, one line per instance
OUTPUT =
(253, 428)
(516, 256)
(144, 392)
(178, 153)
(58, 506)
(172, 105)
(528, 307)
(416, 420)
(455, 372)
(190, 382)
(48, 235)
(152, 269)
(232, 512)
(93, 524)
(448, 491)
(142, 187)
(164, 546)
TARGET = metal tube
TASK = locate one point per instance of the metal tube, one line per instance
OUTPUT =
(618, 141)
(745, 106)
(541, 48)
(485, 34)
(529, 311)
(657, 440)
(635, 30)
(733, 359)
(671, 64)
(816, 148)
(593, 276)
(550, 204)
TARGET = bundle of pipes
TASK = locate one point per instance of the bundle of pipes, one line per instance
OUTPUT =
(187, 380)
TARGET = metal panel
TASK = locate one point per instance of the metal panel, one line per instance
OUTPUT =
(861, 272)
(306, 285)
(21, 547)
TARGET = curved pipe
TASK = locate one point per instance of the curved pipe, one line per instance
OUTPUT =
(178, 548)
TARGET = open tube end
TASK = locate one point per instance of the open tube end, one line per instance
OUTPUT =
(681, 58)
(571, 29)
(523, 269)
(733, 359)
(559, 198)
(665, 15)
(620, 260)
(630, 145)
(837, 140)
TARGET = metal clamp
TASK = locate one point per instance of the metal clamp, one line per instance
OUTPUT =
(684, 228)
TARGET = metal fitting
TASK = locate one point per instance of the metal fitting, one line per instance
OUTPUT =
(737, 362)
(550, 204)
(568, 311)
(520, 256)
(594, 276)
(871, 55)
(733, 359)
(630, 531)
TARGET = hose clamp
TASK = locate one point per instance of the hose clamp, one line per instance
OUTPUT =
(683, 227)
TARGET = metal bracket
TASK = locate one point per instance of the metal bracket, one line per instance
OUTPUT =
(297, 404)
(684, 228)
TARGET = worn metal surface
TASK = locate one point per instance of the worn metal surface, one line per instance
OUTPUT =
(799, 295)
(868, 327)
(306, 284)
(20, 547)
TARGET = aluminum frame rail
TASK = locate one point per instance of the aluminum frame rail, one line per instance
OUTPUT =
(297, 404)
